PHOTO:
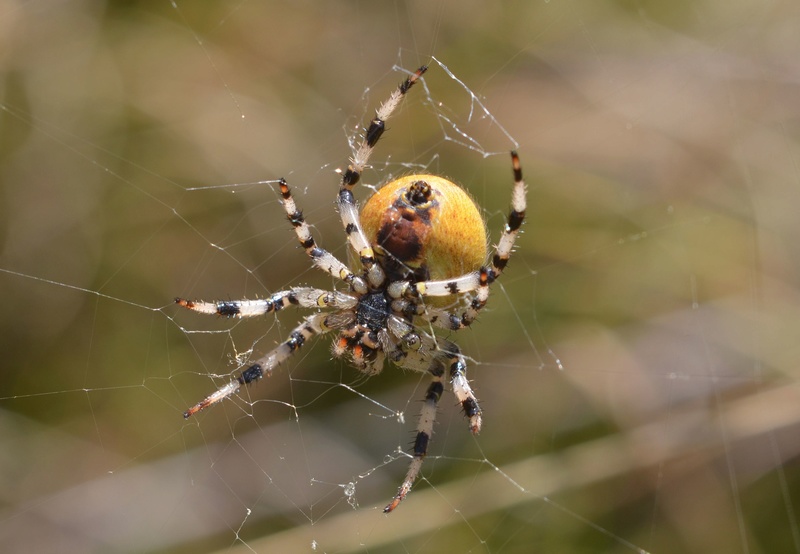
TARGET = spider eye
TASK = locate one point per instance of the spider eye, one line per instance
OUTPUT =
(425, 227)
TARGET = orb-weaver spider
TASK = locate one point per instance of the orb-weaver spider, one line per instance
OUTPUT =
(418, 239)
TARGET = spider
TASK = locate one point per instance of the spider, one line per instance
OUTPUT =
(419, 239)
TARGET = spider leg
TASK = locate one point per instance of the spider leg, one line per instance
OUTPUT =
(457, 366)
(316, 324)
(417, 347)
(345, 201)
(376, 128)
(320, 257)
(348, 210)
(440, 317)
(515, 218)
(424, 431)
(304, 297)
(505, 245)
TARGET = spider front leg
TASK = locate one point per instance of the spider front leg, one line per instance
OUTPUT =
(316, 324)
(376, 128)
(348, 210)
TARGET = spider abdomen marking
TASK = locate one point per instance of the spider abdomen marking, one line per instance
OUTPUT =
(425, 227)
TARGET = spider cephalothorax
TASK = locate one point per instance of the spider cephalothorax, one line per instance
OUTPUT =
(420, 239)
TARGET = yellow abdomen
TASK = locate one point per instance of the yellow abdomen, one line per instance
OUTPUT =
(424, 227)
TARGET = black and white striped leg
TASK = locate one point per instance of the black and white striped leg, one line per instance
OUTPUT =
(505, 245)
(313, 325)
(450, 360)
(424, 431)
(437, 317)
(515, 218)
(457, 367)
(348, 210)
(376, 128)
(303, 297)
(320, 257)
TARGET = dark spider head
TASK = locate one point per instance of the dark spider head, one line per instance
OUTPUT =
(373, 310)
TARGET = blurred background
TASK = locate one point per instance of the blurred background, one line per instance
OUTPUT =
(637, 363)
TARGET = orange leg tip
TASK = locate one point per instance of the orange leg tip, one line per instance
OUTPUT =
(392, 505)
(194, 409)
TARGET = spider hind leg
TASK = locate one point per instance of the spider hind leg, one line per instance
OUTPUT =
(450, 357)
(427, 417)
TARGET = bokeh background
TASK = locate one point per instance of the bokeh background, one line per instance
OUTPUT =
(637, 364)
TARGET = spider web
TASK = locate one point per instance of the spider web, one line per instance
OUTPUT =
(636, 363)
